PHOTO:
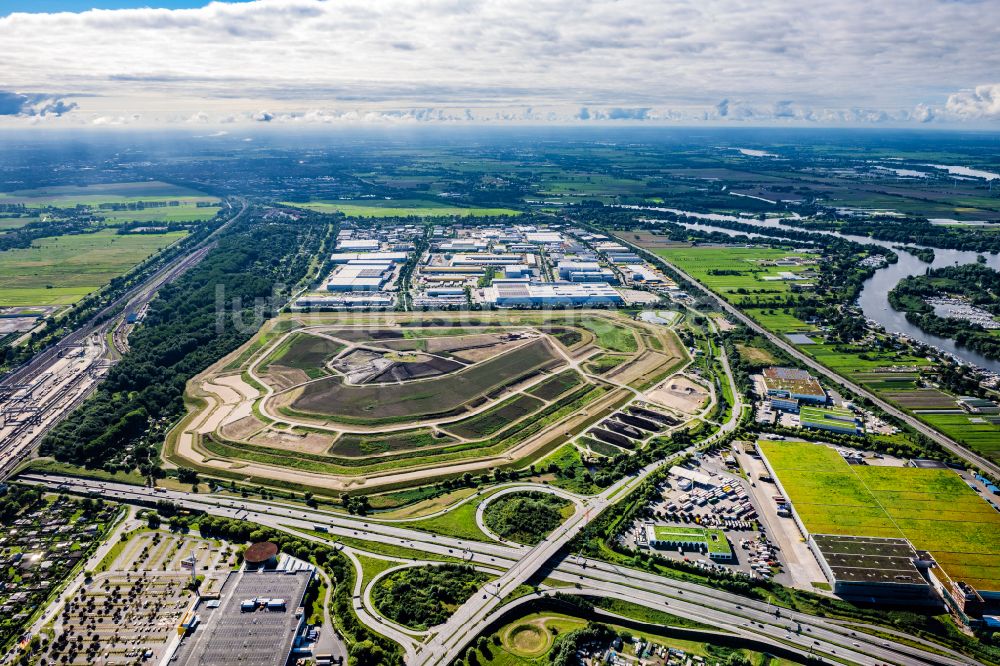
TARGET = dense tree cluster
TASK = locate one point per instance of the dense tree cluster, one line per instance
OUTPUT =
(565, 646)
(204, 315)
(525, 517)
(918, 231)
(15, 498)
(421, 597)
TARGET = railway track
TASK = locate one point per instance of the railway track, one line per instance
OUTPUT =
(108, 330)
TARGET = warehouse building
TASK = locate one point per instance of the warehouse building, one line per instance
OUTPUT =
(259, 618)
(787, 388)
(696, 478)
(524, 294)
(359, 245)
(348, 257)
(507, 259)
(543, 237)
(584, 271)
(348, 301)
(872, 569)
(363, 277)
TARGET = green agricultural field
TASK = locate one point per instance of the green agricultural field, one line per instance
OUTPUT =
(602, 363)
(9, 223)
(398, 208)
(358, 446)
(186, 212)
(976, 432)
(556, 385)
(739, 275)
(303, 351)
(933, 508)
(495, 418)
(62, 270)
(93, 195)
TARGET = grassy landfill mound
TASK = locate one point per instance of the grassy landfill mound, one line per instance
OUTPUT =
(302, 351)
(442, 395)
(496, 418)
(933, 508)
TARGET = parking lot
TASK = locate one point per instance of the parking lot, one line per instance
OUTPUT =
(723, 501)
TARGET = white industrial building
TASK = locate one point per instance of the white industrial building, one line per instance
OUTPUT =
(584, 271)
(503, 293)
(697, 478)
(487, 259)
(363, 277)
(517, 271)
(543, 237)
(359, 245)
(346, 257)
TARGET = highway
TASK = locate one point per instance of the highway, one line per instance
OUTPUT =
(946, 442)
(43, 391)
(755, 620)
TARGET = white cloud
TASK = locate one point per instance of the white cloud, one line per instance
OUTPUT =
(983, 102)
(777, 61)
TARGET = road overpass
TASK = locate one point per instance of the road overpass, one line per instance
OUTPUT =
(734, 613)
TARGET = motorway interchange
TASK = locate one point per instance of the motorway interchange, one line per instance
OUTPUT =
(761, 624)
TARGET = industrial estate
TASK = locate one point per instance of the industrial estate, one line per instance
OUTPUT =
(390, 425)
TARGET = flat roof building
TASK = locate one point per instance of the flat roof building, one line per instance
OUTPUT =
(347, 300)
(871, 568)
(832, 419)
(697, 478)
(487, 259)
(710, 541)
(793, 383)
(258, 621)
(358, 245)
(365, 277)
(584, 271)
(347, 257)
(512, 294)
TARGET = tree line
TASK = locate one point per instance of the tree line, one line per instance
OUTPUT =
(196, 320)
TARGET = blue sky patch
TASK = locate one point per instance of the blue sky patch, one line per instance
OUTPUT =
(48, 6)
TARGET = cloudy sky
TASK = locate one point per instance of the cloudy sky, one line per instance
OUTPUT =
(677, 62)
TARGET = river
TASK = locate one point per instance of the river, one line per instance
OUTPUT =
(874, 297)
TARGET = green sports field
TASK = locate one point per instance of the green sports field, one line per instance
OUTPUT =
(933, 508)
